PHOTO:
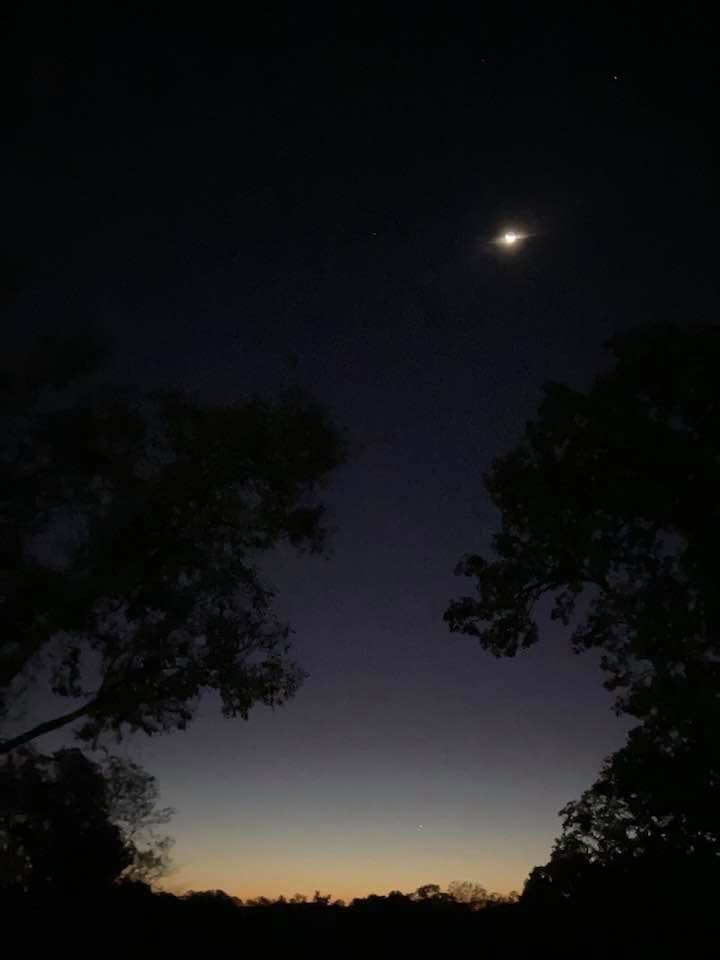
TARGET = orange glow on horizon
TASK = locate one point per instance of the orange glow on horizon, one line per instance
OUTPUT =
(341, 881)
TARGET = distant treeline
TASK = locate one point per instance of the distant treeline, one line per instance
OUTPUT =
(463, 893)
(130, 920)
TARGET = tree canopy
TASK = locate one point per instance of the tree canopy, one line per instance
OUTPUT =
(133, 797)
(69, 824)
(610, 508)
(131, 529)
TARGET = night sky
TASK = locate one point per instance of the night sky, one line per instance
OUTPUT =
(243, 206)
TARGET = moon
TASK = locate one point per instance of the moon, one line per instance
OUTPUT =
(511, 238)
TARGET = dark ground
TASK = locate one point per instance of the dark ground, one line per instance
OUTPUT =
(138, 924)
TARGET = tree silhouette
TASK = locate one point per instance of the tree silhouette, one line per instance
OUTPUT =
(55, 831)
(69, 824)
(610, 508)
(130, 532)
(651, 814)
(467, 892)
(428, 891)
(612, 498)
(132, 803)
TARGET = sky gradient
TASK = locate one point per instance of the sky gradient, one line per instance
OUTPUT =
(241, 215)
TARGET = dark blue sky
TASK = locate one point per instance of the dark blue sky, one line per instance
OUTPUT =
(312, 203)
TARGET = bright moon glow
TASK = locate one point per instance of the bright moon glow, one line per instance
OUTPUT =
(510, 239)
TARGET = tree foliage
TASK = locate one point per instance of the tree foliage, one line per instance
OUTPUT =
(473, 894)
(55, 831)
(654, 794)
(69, 824)
(610, 508)
(133, 800)
(651, 814)
(130, 532)
(612, 500)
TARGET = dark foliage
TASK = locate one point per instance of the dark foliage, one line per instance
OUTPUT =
(611, 508)
(130, 530)
(70, 825)
(613, 499)
(130, 920)
(55, 831)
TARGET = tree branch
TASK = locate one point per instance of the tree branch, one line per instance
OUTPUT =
(47, 727)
